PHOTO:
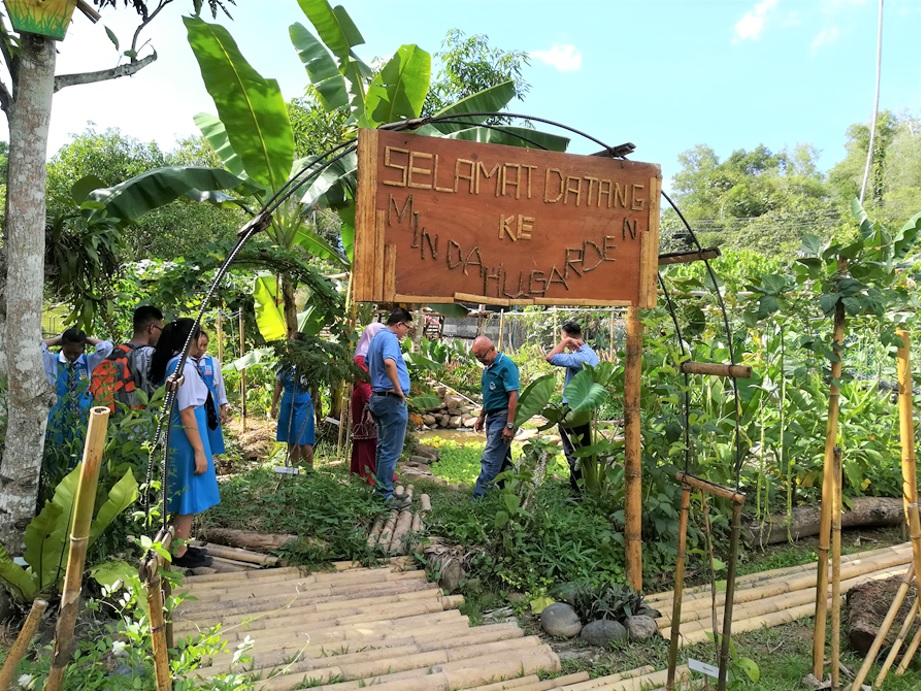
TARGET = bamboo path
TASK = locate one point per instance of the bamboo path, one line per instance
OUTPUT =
(357, 627)
(771, 598)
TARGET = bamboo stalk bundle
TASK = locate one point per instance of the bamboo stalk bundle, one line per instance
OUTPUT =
(400, 531)
(909, 653)
(897, 645)
(375, 533)
(269, 581)
(387, 531)
(224, 565)
(601, 681)
(84, 504)
(717, 369)
(417, 522)
(18, 651)
(247, 539)
(237, 554)
(426, 502)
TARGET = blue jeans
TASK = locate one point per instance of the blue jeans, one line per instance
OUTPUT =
(497, 455)
(390, 416)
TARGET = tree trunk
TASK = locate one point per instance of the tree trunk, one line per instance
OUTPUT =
(289, 304)
(29, 395)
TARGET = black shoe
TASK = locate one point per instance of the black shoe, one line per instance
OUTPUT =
(197, 551)
(192, 560)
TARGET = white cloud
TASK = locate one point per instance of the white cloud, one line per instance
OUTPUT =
(566, 57)
(750, 26)
(824, 37)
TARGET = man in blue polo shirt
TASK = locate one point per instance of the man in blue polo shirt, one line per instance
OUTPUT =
(500, 401)
(579, 354)
(389, 388)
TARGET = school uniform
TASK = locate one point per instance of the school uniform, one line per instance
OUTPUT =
(187, 492)
(210, 369)
(295, 417)
(68, 417)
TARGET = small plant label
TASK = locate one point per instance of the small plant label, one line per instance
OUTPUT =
(703, 668)
(285, 470)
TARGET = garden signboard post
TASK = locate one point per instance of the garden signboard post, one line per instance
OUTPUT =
(442, 220)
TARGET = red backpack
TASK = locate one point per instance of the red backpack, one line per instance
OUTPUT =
(113, 381)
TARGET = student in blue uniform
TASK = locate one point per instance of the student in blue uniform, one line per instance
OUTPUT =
(295, 421)
(68, 371)
(191, 481)
(210, 368)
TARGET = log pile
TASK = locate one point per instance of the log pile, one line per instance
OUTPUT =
(393, 535)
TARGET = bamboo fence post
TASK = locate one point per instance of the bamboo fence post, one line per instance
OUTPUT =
(831, 434)
(84, 504)
(730, 591)
(345, 408)
(18, 651)
(909, 653)
(611, 338)
(897, 646)
(150, 576)
(836, 574)
(884, 629)
(906, 424)
(679, 585)
(242, 374)
(633, 503)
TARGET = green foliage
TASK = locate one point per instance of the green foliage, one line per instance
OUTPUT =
(593, 602)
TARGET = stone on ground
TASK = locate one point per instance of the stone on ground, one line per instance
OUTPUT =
(603, 632)
(559, 619)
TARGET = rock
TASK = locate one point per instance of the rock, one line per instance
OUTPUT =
(559, 619)
(469, 422)
(453, 402)
(426, 450)
(455, 421)
(603, 632)
(642, 628)
(451, 575)
(429, 420)
(444, 420)
(421, 460)
(516, 598)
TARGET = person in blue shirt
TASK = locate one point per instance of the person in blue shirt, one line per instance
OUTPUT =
(69, 371)
(578, 354)
(210, 368)
(296, 424)
(500, 401)
(387, 405)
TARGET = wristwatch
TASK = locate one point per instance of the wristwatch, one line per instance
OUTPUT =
(510, 425)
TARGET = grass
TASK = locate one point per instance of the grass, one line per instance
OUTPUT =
(460, 461)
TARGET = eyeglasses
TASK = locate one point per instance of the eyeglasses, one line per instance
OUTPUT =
(407, 325)
(156, 326)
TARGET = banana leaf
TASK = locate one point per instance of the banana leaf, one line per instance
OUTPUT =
(131, 199)
(269, 318)
(215, 133)
(398, 91)
(318, 246)
(251, 107)
(335, 185)
(534, 398)
(347, 232)
(423, 403)
(513, 136)
(491, 100)
(17, 580)
(253, 357)
(321, 68)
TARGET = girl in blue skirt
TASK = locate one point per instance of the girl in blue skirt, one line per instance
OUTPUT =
(191, 480)
(295, 421)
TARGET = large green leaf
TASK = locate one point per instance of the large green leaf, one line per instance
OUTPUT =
(490, 100)
(398, 91)
(47, 535)
(252, 108)
(215, 133)
(534, 398)
(122, 495)
(253, 357)
(513, 136)
(347, 232)
(321, 68)
(318, 246)
(17, 580)
(335, 185)
(269, 318)
(131, 199)
(337, 30)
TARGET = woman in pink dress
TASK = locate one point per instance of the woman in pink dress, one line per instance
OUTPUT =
(364, 434)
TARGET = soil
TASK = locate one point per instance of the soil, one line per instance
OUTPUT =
(867, 606)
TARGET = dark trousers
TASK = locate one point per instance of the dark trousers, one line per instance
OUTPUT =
(573, 438)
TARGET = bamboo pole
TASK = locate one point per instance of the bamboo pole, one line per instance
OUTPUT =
(150, 576)
(836, 574)
(907, 424)
(831, 435)
(909, 653)
(84, 503)
(633, 502)
(18, 651)
(717, 369)
(710, 488)
(220, 336)
(734, 535)
(679, 585)
(884, 629)
(897, 646)
(242, 374)
(501, 329)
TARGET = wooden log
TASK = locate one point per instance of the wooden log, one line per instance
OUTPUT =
(417, 522)
(84, 504)
(240, 555)
(426, 502)
(806, 520)
(531, 681)
(404, 523)
(375, 533)
(687, 257)
(249, 539)
(716, 369)
(387, 531)
(598, 682)
(231, 565)
(18, 651)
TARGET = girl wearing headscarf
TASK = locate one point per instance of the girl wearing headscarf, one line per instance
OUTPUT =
(364, 433)
(191, 480)
(296, 425)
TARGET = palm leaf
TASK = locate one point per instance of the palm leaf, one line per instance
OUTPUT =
(252, 108)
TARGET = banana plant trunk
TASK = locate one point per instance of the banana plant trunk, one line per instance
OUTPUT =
(288, 303)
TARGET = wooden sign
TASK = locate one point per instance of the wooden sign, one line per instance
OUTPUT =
(442, 220)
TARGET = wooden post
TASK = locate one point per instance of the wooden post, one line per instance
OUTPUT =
(157, 624)
(611, 349)
(501, 329)
(836, 574)
(734, 535)
(679, 585)
(907, 425)
(633, 501)
(831, 434)
(84, 504)
(18, 651)
(242, 374)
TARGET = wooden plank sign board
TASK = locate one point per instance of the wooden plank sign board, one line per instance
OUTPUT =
(441, 220)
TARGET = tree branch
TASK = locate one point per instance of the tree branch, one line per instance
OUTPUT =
(126, 70)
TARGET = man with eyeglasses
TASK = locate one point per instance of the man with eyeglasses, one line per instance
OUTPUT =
(500, 401)
(389, 388)
(147, 324)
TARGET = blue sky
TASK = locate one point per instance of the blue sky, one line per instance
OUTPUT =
(664, 74)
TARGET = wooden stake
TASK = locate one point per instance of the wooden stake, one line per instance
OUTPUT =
(679, 585)
(150, 576)
(831, 435)
(242, 375)
(907, 424)
(897, 646)
(18, 651)
(734, 535)
(611, 349)
(84, 504)
(633, 501)
(836, 574)
(909, 653)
